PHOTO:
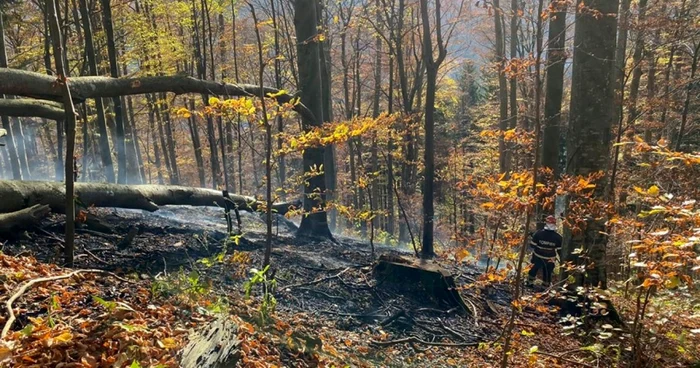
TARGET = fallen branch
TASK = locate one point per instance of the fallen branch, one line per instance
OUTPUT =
(98, 259)
(413, 339)
(317, 281)
(27, 285)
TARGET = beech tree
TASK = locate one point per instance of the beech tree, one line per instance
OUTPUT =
(591, 120)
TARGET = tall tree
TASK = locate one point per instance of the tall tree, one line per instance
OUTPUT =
(120, 142)
(502, 87)
(556, 58)
(58, 52)
(592, 114)
(314, 222)
(432, 65)
(105, 152)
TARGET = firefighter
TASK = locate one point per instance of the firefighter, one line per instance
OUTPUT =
(546, 245)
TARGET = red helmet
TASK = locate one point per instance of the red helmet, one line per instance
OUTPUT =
(550, 220)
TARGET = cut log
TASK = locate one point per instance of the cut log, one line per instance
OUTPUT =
(22, 219)
(17, 195)
(422, 277)
(216, 346)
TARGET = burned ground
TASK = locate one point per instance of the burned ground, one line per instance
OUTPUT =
(332, 307)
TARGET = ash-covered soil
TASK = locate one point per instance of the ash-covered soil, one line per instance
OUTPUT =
(330, 285)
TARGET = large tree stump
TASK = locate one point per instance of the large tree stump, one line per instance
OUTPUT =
(420, 276)
(215, 346)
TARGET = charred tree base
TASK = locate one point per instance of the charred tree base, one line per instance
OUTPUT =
(420, 276)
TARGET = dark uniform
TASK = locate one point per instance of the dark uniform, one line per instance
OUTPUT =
(546, 246)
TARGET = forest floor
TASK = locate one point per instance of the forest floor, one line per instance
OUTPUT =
(178, 274)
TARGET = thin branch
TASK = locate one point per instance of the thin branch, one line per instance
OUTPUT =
(27, 285)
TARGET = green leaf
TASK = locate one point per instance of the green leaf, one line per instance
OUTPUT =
(533, 349)
(109, 305)
(135, 364)
(27, 330)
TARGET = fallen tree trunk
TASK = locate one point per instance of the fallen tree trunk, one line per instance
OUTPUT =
(22, 219)
(18, 195)
(42, 86)
(30, 107)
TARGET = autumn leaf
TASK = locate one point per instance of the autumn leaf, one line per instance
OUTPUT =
(653, 190)
(461, 254)
(277, 94)
(5, 352)
(168, 343)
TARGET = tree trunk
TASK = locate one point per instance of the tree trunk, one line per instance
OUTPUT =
(621, 58)
(18, 131)
(196, 144)
(22, 219)
(24, 194)
(314, 222)
(556, 59)
(503, 163)
(26, 83)
(120, 142)
(152, 132)
(69, 172)
(628, 129)
(9, 139)
(592, 114)
(688, 95)
(170, 140)
(105, 151)
(429, 151)
(513, 55)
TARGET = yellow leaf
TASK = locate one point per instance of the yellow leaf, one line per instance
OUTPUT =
(527, 333)
(461, 254)
(653, 190)
(168, 343)
(277, 94)
(214, 101)
(487, 205)
(64, 337)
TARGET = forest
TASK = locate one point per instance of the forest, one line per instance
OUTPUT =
(352, 183)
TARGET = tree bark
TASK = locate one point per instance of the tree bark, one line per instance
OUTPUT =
(24, 194)
(592, 114)
(314, 222)
(29, 107)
